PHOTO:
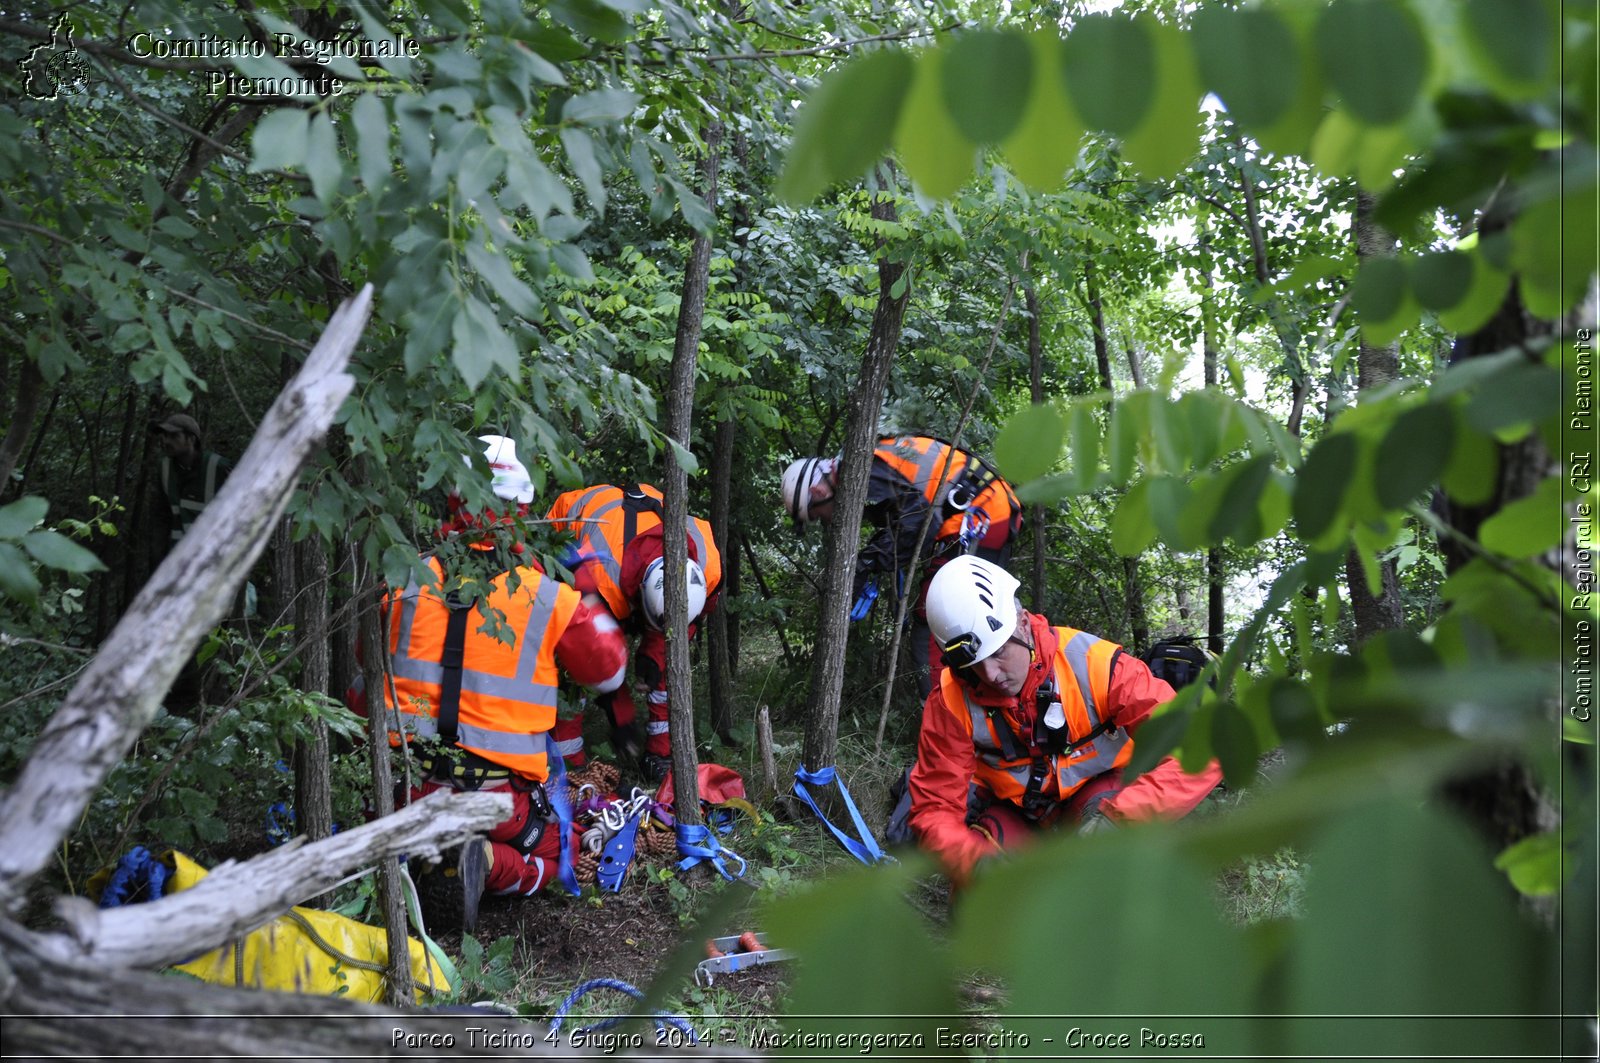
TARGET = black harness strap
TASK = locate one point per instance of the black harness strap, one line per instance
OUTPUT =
(453, 657)
(634, 502)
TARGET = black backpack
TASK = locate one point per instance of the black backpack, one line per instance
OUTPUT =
(1178, 660)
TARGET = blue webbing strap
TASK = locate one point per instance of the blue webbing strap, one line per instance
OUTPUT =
(699, 843)
(555, 791)
(661, 1018)
(864, 846)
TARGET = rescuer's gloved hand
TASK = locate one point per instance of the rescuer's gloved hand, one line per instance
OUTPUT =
(1094, 822)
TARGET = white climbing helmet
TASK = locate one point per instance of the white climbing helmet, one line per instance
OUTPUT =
(653, 593)
(972, 609)
(511, 481)
(798, 479)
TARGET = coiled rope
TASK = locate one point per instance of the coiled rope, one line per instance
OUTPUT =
(661, 1018)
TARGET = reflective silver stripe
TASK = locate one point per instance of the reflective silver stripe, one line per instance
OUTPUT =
(520, 687)
(570, 746)
(592, 535)
(656, 727)
(699, 543)
(507, 742)
(659, 697)
(1077, 654)
(1106, 749)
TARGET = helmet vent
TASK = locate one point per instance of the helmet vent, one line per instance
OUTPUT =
(994, 625)
(986, 600)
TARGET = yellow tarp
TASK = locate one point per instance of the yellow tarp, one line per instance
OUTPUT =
(287, 955)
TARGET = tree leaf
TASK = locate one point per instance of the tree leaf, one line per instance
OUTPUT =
(371, 120)
(1413, 454)
(987, 77)
(280, 139)
(54, 550)
(480, 344)
(683, 456)
(1321, 484)
(1402, 879)
(22, 516)
(586, 165)
(1529, 526)
(1108, 64)
(1168, 135)
(1470, 477)
(827, 924)
(600, 106)
(1155, 911)
(1523, 393)
(1132, 530)
(1030, 443)
(16, 575)
(1379, 291)
(1375, 56)
(1441, 279)
(323, 165)
(847, 123)
(1534, 864)
(1044, 145)
(1233, 740)
(1514, 43)
(1158, 736)
(1251, 59)
(934, 152)
(1487, 290)
(1239, 508)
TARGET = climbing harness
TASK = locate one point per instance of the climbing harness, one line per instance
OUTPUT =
(662, 1019)
(863, 846)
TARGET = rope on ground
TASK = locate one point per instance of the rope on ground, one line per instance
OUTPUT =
(661, 1018)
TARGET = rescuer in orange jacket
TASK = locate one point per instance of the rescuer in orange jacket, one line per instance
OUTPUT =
(975, 512)
(617, 564)
(1031, 727)
(477, 710)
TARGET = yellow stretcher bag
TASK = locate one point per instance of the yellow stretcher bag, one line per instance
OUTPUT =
(305, 950)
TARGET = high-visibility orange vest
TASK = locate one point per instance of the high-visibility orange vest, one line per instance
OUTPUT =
(934, 468)
(1083, 679)
(508, 691)
(599, 518)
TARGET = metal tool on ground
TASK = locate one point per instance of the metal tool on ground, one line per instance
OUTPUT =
(736, 952)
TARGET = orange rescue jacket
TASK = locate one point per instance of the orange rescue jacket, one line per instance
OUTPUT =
(935, 468)
(508, 691)
(1005, 758)
(604, 519)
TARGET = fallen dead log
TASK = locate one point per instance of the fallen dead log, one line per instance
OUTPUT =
(116, 697)
(236, 898)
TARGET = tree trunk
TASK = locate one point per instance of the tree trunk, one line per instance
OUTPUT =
(1216, 579)
(1504, 801)
(844, 531)
(1135, 361)
(1376, 368)
(23, 411)
(1037, 513)
(722, 455)
(313, 782)
(680, 409)
(1134, 612)
(391, 895)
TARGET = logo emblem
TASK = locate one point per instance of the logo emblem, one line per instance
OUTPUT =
(55, 68)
